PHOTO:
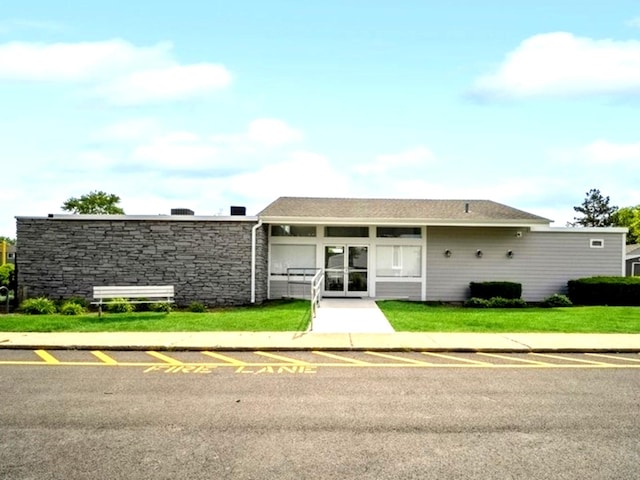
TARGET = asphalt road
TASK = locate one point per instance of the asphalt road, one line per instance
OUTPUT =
(97, 422)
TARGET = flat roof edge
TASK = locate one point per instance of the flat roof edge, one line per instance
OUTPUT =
(161, 218)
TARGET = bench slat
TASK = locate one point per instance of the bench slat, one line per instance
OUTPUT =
(133, 291)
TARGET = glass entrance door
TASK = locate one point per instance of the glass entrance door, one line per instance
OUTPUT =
(346, 270)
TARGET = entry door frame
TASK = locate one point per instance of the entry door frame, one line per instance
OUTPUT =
(345, 271)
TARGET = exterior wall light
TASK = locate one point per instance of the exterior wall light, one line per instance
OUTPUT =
(509, 253)
(447, 253)
(479, 253)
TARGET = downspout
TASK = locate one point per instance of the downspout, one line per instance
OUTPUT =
(254, 234)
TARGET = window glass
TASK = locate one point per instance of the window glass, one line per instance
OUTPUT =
(292, 256)
(293, 230)
(341, 231)
(399, 232)
(597, 243)
(398, 261)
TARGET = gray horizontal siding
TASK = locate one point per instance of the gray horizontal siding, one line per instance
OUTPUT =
(279, 289)
(399, 290)
(543, 262)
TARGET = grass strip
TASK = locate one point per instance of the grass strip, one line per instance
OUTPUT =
(277, 316)
(420, 317)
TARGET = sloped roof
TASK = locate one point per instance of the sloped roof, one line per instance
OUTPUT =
(632, 250)
(388, 210)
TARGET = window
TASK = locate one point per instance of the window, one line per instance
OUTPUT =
(293, 231)
(292, 256)
(596, 243)
(398, 261)
(346, 231)
(399, 232)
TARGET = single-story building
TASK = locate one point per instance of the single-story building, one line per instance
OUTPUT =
(633, 260)
(428, 250)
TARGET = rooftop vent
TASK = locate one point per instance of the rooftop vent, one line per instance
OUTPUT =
(182, 211)
(466, 208)
(238, 211)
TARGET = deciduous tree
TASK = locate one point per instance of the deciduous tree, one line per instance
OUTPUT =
(629, 217)
(95, 202)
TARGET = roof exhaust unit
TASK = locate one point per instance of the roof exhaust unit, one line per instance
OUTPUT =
(238, 211)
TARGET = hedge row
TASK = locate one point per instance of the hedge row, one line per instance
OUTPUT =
(488, 290)
(622, 291)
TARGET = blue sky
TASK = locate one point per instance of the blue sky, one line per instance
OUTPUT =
(207, 104)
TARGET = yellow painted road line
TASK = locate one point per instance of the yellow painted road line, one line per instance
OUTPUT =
(401, 359)
(458, 359)
(103, 357)
(282, 358)
(505, 357)
(343, 359)
(47, 357)
(626, 359)
(570, 359)
(165, 358)
(228, 360)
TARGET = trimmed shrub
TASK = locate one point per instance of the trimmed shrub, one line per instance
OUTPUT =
(5, 273)
(488, 290)
(197, 307)
(500, 302)
(38, 306)
(475, 302)
(557, 300)
(160, 307)
(71, 308)
(119, 305)
(624, 291)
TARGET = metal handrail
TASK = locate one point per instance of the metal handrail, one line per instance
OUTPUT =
(316, 294)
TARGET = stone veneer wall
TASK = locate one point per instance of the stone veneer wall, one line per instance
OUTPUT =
(208, 261)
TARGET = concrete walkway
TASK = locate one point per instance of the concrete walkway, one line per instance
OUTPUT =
(350, 315)
(399, 341)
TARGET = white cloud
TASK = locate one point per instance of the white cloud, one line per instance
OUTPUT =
(303, 174)
(176, 151)
(272, 132)
(634, 22)
(172, 83)
(127, 130)
(415, 157)
(561, 64)
(114, 70)
(604, 152)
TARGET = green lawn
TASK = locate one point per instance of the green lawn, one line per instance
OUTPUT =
(419, 317)
(272, 317)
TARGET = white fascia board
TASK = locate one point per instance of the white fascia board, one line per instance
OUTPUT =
(161, 218)
(397, 222)
(580, 229)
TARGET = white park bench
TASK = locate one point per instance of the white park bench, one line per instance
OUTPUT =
(133, 294)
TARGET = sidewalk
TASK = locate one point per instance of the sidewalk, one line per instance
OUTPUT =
(399, 341)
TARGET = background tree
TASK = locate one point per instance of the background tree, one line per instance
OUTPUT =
(95, 202)
(629, 217)
(10, 241)
(596, 211)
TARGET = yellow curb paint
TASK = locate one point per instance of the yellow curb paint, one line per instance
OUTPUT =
(401, 359)
(292, 361)
(341, 358)
(570, 359)
(504, 357)
(104, 358)
(458, 359)
(626, 359)
(224, 358)
(165, 358)
(47, 357)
